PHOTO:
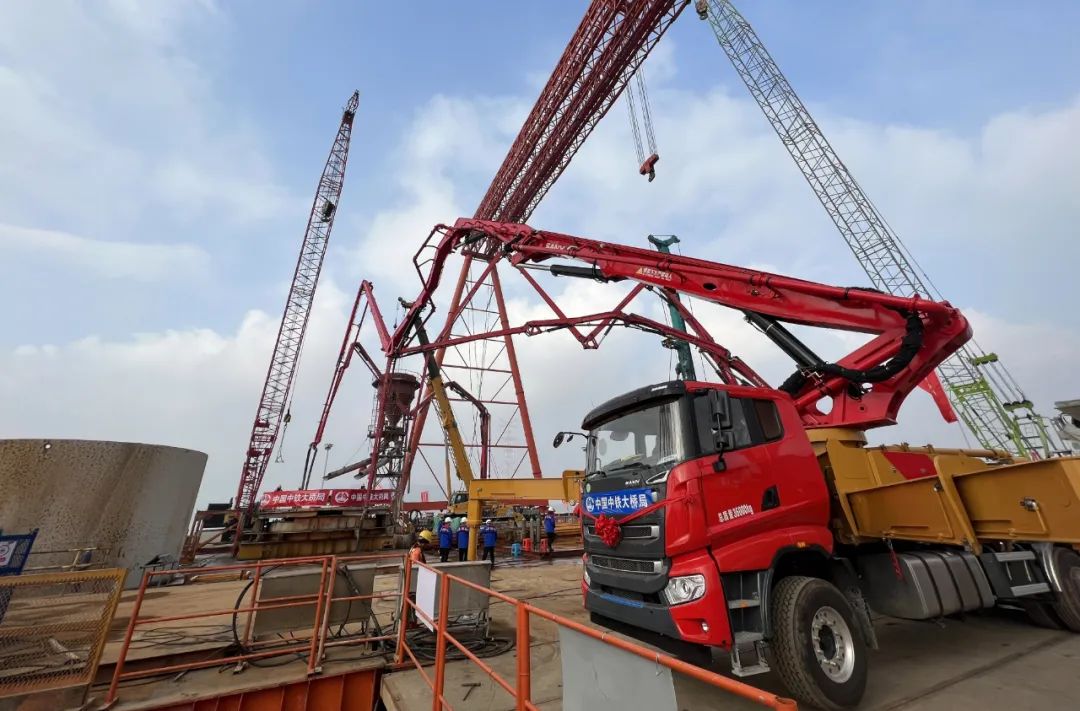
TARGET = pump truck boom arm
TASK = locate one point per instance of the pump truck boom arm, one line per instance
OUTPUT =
(350, 345)
(912, 335)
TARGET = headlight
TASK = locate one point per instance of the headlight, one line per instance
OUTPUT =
(685, 589)
(585, 577)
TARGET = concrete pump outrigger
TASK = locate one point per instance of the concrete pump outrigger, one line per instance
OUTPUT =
(756, 520)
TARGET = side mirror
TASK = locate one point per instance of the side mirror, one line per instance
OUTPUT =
(561, 437)
(725, 440)
(721, 425)
(720, 405)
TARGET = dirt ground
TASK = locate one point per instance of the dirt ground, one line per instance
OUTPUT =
(984, 662)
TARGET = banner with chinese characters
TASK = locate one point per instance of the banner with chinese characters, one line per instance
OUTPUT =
(618, 502)
(314, 498)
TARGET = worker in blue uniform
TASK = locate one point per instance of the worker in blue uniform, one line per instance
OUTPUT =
(549, 530)
(446, 539)
(488, 536)
(463, 541)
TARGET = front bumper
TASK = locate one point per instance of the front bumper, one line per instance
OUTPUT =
(644, 615)
(703, 621)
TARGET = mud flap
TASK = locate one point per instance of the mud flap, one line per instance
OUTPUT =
(848, 581)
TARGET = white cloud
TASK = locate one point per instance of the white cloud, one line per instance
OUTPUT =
(108, 120)
(112, 260)
(193, 388)
(451, 149)
(725, 186)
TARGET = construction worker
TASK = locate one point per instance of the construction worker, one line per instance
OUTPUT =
(463, 541)
(446, 539)
(416, 555)
(420, 544)
(489, 535)
(549, 530)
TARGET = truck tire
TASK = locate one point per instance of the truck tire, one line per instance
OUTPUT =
(1067, 606)
(1041, 614)
(817, 647)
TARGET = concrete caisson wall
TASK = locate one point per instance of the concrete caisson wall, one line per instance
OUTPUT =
(135, 500)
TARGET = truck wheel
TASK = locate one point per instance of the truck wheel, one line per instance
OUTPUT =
(817, 647)
(1067, 606)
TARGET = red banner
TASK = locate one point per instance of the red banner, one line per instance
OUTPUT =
(315, 498)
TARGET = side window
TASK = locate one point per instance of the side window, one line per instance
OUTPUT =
(769, 417)
(740, 425)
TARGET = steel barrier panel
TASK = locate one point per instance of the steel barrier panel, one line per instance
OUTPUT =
(55, 628)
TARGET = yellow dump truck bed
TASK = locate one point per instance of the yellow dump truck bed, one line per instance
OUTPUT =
(946, 496)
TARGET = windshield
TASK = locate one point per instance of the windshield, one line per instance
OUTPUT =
(649, 437)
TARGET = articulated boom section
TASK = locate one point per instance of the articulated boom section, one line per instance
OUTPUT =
(867, 387)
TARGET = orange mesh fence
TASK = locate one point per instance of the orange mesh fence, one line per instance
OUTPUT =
(53, 628)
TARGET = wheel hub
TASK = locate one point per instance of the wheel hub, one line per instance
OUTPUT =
(834, 645)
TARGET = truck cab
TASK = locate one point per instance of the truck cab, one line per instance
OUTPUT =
(727, 481)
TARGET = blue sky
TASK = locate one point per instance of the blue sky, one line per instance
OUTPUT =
(159, 160)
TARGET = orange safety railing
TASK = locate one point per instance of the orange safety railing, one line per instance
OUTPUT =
(313, 646)
(520, 689)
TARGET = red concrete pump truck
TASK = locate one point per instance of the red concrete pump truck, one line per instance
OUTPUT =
(756, 520)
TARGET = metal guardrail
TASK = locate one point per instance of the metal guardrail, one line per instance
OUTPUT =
(520, 689)
(54, 628)
(86, 558)
(311, 644)
(308, 643)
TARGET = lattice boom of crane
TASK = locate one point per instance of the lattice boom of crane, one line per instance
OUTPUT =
(277, 387)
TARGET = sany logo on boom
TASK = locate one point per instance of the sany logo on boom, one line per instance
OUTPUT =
(654, 273)
(556, 247)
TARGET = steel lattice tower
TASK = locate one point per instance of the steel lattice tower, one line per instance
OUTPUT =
(608, 46)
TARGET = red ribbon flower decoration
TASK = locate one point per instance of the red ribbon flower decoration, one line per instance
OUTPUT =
(609, 531)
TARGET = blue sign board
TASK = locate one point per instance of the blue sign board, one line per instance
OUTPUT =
(618, 502)
(14, 550)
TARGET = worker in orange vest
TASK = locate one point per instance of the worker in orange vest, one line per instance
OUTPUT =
(416, 555)
(420, 544)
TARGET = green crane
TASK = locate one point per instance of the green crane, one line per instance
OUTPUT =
(684, 370)
(984, 394)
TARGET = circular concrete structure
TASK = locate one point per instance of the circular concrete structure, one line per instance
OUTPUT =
(132, 501)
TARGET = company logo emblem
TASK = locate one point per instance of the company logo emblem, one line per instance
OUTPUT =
(632, 482)
(341, 496)
(655, 273)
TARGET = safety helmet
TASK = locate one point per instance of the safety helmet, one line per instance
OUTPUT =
(427, 535)
(488, 521)
(446, 519)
